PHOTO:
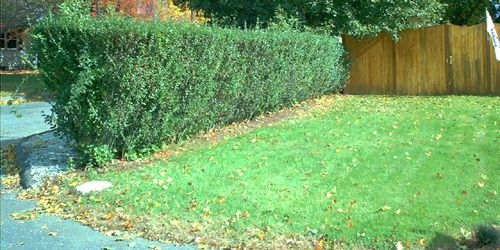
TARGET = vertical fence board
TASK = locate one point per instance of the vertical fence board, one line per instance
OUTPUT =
(445, 59)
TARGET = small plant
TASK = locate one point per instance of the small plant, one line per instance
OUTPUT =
(99, 155)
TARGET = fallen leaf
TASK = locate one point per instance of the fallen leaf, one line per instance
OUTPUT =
(261, 235)
(421, 242)
(154, 247)
(197, 227)
(175, 223)
(29, 215)
(109, 216)
(384, 208)
(52, 234)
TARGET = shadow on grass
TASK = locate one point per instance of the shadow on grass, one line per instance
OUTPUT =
(442, 242)
(28, 86)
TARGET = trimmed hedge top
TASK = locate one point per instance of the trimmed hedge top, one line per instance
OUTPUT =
(123, 86)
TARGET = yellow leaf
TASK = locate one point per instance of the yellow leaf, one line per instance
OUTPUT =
(384, 208)
(197, 226)
(261, 235)
(421, 242)
(52, 233)
(175, 223)
(109, 216)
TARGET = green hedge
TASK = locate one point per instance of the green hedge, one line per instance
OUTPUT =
(125, 86)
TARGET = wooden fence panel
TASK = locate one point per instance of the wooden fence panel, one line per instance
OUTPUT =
(419, 56)
(468, 69)
(374, 58)
(438, 60)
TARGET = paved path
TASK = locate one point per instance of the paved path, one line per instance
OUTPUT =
(19, 121)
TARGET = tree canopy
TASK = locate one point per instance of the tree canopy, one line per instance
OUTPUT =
(353, 17)
(469, 12)
(18, 13)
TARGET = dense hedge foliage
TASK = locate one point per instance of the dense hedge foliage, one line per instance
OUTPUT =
(124, 86)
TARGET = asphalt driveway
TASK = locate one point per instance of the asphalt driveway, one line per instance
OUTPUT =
(47, 232)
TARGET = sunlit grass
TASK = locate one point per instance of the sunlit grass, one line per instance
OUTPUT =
(362, 170)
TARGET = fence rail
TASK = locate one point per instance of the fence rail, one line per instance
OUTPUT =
(438, 60)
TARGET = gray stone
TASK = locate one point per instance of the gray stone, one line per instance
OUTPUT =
(43, 156)
(93, 186)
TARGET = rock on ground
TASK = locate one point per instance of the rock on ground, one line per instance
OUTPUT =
(43, 156)
(93, 186)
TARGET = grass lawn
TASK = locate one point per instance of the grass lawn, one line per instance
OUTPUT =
(28, 86)
(357, 171)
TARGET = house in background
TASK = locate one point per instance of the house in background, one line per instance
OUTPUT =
(16, 17)
(12, 48)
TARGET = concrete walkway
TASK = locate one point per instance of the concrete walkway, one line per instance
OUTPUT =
(21, 120)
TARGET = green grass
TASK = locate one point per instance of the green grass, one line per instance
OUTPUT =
(363, 170)
(28, 86)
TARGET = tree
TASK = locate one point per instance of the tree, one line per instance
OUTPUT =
(20, 13)
(353, 17)
(469, 12)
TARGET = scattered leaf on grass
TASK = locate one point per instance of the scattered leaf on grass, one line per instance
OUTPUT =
(384, 208)
(175, 223)
(197, 227)
(421, 242)
(261, 235)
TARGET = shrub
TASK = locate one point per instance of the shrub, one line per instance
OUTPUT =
(123, 85)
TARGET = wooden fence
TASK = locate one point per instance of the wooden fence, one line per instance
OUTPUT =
(439, 60)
